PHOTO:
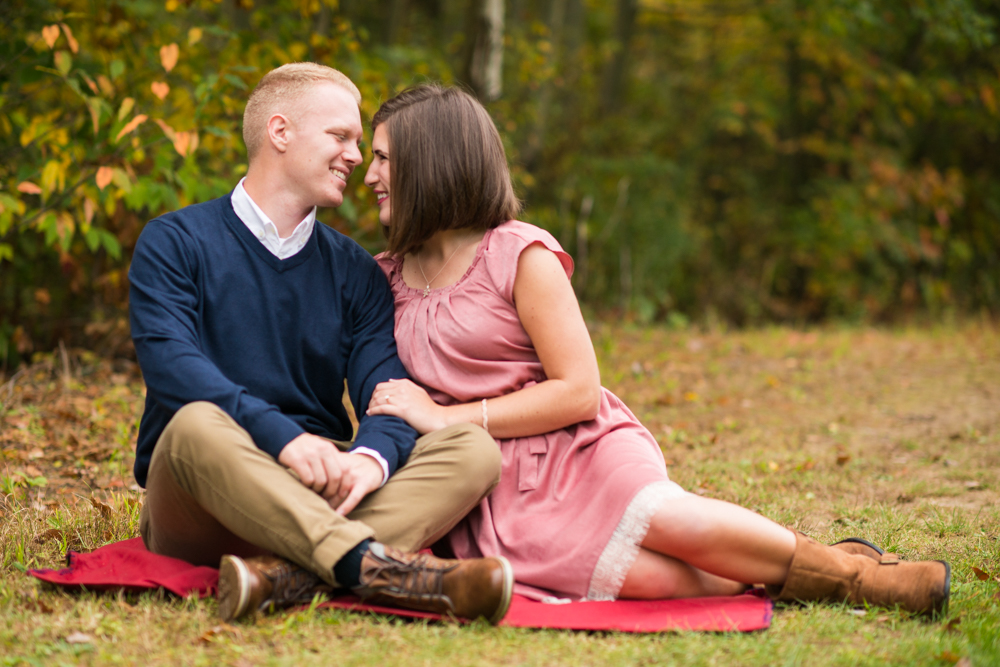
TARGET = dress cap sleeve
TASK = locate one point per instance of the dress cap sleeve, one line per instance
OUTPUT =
(389, 265)
(507, 242)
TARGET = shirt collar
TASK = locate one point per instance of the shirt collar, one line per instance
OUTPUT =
(262, 226)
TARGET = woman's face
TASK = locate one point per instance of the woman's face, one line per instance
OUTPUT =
(377, 177)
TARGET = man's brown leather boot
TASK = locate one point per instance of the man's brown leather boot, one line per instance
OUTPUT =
(478, 587)
(254, 584)
(819, 572)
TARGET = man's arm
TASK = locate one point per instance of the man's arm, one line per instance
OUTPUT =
(164, 313)
(373, 359)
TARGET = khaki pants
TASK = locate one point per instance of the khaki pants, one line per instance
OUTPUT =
(210, 491)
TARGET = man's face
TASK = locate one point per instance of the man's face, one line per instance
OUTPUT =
(322, 150)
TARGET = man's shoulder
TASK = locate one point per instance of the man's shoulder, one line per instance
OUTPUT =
(192, 218)
(344, 246)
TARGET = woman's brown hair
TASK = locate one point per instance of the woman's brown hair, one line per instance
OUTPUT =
(447, 166)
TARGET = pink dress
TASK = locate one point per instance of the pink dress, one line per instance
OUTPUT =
(572, 505)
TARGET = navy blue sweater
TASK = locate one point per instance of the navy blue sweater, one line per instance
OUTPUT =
(216, 317)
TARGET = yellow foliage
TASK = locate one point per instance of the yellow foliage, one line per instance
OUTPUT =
(53, 177)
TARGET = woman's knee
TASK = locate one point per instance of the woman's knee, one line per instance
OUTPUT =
(476, 455)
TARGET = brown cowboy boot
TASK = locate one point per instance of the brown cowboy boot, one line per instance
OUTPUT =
(819, 572)
(479, 587)
(860, 547)
(255, 584)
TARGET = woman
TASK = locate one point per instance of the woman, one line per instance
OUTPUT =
(487, 323)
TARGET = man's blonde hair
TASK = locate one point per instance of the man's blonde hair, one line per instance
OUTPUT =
(279, 87)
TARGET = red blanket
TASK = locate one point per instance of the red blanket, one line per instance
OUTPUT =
(128, 565)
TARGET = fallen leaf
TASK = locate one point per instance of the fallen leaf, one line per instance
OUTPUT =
(964, 662)
(32, 471)
(691, 397)
(50, 34)
(79, 638)
(105, 174)
(28, 188)
(50, 534)
(973, 485)
(952, 625)
(980, 574)
(948, 656)
(74, 45)
(858, 612)
(210, 634)
(40, 607)
(168, 56)
(160, 89)
(843, 458)
(105, 510)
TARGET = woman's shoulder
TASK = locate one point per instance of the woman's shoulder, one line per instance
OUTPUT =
(388, 264)
(519, 235)
(505, 245)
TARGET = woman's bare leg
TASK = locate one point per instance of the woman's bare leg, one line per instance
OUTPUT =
(722, 539)
(655, 576)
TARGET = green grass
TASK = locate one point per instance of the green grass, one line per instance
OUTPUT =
(890, 435)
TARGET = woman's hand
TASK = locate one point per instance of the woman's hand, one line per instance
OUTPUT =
(409, 402)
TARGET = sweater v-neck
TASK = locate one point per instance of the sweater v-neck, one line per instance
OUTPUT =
(246, 236)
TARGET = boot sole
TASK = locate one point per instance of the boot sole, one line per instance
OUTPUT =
(234, 588)
(942, 608)
(508, 591)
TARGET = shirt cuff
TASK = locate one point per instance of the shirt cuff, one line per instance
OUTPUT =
(378, 457)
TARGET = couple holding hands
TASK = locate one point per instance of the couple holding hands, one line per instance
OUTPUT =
(485, 433)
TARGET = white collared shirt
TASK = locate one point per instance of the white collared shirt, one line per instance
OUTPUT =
(265, 230)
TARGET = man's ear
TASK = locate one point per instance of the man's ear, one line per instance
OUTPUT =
(278, 128)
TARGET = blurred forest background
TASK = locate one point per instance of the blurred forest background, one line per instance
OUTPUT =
(717, 161)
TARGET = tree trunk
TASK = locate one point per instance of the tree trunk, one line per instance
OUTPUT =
(484, 55)
(532, 151)
(394, 26)
(612, 85)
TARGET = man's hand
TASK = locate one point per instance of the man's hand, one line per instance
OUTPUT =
(342, 479)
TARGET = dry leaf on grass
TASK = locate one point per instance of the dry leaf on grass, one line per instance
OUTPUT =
(105, 510)
(79, 638)
(50, 534)
(981, 575)
(209, 635)
(34, 604)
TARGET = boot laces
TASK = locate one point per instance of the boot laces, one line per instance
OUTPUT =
(290, 584)
(416, 580)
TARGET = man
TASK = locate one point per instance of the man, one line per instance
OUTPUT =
(247, 318)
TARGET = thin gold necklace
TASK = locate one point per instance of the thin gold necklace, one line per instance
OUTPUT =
(427, 289)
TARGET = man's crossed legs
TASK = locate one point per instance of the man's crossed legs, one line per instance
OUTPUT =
(211, 492)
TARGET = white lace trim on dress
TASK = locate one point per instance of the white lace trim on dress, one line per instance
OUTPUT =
(623, 547)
